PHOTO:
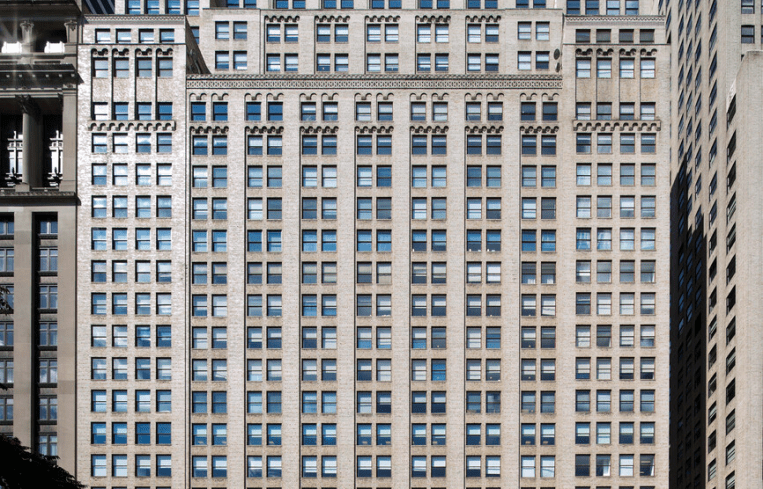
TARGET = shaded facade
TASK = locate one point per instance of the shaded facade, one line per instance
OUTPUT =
(38, 152)
(715, 404)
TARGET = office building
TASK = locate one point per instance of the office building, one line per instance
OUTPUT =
(304, 264)
(716, 368)
(38, 215)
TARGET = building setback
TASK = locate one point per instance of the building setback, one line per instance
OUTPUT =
(307, 256)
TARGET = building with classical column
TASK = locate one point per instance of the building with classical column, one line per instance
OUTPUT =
(38, 214)
(304, 265)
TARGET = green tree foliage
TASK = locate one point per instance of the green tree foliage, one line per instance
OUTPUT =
(5, 308)
(23, 469)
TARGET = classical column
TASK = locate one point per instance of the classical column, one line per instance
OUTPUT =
(27, 37)
(33, 150)
(69, 133)
(71, 36)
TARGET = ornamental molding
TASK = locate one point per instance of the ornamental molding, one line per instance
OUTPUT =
(373, 82)
(315, 97)
(658, 20)
(617, 125)
(264, 129)
(483, 18)
(477, 97)
(102, 126)
(539, 129)
(282, 18)
(374, 129)
(429, 129)
(319, 129)
(133, 19)
(42, 197)
(370, 97)
(534, 97)
(25, 87)
(423, 97)
(433, 19)
(208, 129)
(484, 129)
(30, 79)
(382, 18)
(333, 18)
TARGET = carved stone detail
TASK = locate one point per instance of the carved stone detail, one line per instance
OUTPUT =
(381, 82)
(616, 125)
(132, 126)
(539, 129)
(264, 130)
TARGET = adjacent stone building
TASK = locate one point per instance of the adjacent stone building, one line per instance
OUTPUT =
(716, 407)
(38, 216)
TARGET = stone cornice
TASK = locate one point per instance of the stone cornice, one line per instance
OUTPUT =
(38, 197)
(372, 82)
(38, 76)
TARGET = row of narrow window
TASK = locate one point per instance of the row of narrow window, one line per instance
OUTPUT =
(574, 7)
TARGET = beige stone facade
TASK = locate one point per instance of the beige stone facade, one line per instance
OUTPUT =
(372, 247)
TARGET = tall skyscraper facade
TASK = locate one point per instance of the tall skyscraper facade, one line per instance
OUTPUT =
(307, 256)
(716, 367)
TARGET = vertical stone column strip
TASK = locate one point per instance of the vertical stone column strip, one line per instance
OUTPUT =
(23, 348)
(67, 334)
(69, 132)
(32, 134)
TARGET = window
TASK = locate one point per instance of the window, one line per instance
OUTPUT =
(541, 60)
(583, 68)
(164, 67)
(524, 60)
(648, 143)
(748, 34)
(222, 30)
(647, 68)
